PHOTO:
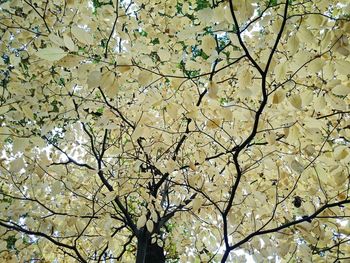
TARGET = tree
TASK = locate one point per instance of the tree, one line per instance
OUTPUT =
(178, 131)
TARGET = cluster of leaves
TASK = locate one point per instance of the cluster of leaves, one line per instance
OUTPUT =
(174, 130)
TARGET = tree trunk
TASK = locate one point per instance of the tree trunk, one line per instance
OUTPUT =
(142, 241)
(148, 252)
(155, 254)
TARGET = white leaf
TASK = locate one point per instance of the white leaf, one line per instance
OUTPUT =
(51, 53)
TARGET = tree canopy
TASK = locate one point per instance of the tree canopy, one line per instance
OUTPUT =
(174, 131)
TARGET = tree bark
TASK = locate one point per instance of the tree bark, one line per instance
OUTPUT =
(141, 248)
(148, 252)
(155, 254)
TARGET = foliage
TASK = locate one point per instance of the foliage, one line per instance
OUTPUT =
(186, 131)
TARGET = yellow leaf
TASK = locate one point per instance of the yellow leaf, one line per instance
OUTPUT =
(110, 196)
(341, 90)
(172, 110)
(295, 101)
(82, 36)
(293, 44)
(343, 51)
(51, 53)
(280, 71)
(196, 204)
(212, 90)
(271, 137)
(208, 44)
(214, 123)
(341, 152)
(316, 65)
(192, 166)
(69, 61)
(306, 35)
(144, 78)
(278, 97)
(338, 175)
(68, 42)
(150, 226)
(56, 39)
(108, 83)
(297, 167)
(94, 79)
(342, 66)
(141, 221)
(307, 97)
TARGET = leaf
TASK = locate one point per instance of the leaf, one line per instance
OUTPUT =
(110, 196)
(196, 204)
(280, 71)
(172, 110)
(320, 104)
(212, 90)
(271, 137)
(295, 101)
(192, 166)
(138, 132)
(341, 90)
(208, 44)
(343, 51)
(307, 97)
(108, 83)
(297, 167)
(154, 216)
(51, 53)
(144, 78)
(340, 153)
(16, 165)
(82, 36)
(306, 35)
(94, 79)
(141, 221)
(68, 42)
(293, 44)
(56, 39)
(342, 66)
(150, 226)
(336, 103)
(316, 65)
(4, 109)
(278, 97)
